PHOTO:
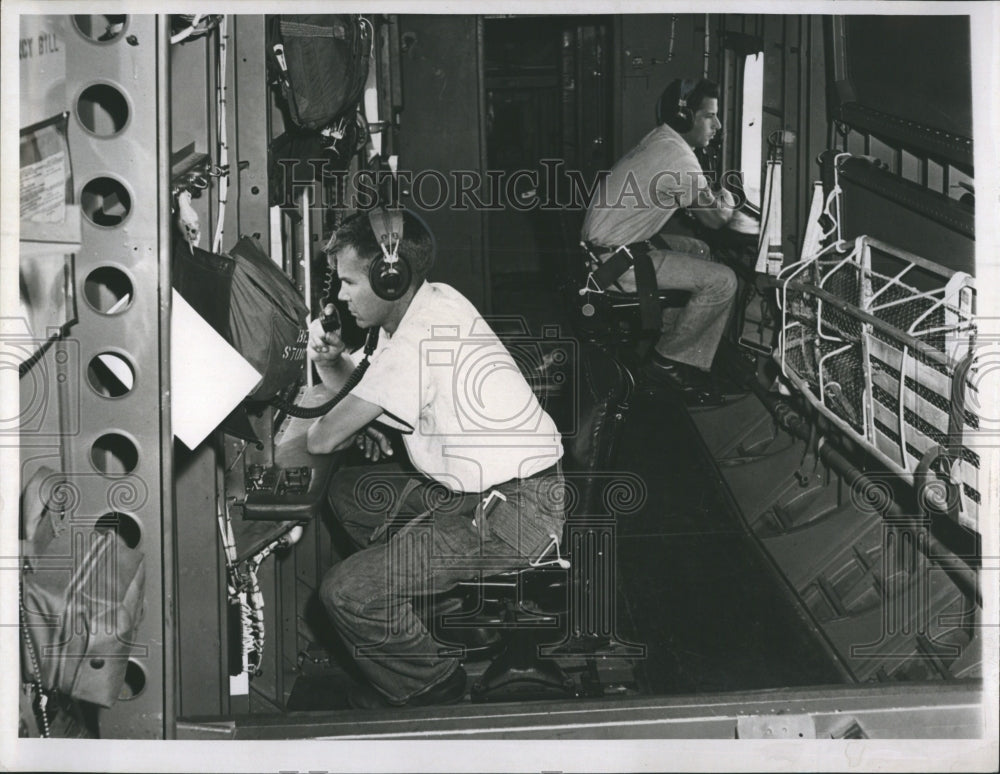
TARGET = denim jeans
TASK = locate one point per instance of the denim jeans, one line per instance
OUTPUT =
(417, 539)
(692, 333)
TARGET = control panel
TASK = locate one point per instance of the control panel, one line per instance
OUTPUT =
(277, 480)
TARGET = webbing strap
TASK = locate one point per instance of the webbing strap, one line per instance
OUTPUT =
(635, 256)
(645, 283)
(614, 267)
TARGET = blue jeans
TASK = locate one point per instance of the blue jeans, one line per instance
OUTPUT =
(375, 596)
(691, 334)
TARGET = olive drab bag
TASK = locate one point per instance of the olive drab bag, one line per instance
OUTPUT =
(252, 304)
(268, 320)
(320, 62)
(82, 598)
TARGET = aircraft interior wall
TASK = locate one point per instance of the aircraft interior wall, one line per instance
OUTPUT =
(810, 548)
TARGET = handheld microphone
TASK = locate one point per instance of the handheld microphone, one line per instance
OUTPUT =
(330, 319)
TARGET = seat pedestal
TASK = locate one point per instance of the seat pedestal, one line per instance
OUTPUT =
(520, 673)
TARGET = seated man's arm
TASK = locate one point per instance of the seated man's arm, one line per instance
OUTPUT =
(326, 352)
(338, 427)
(713, 208)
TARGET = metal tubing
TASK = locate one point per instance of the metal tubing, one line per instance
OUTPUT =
(170, 670)
(307, 259)
(920, 346)
(797, 425)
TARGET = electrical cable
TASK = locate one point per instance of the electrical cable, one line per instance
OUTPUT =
(36, 672)
(315, 412)
(185, 33)
(220, 92)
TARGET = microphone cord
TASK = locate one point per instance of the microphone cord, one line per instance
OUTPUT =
(302, 412)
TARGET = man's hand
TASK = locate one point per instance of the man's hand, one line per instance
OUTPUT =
(717, 213)
(324, 348)
(728, 200)
(374, 443)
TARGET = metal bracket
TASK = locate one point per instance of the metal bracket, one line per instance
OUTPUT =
(189, 171)
(776, 727)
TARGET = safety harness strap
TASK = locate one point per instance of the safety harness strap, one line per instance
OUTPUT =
(645, 284)
(634, 255)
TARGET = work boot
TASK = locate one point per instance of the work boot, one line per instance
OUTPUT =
(692, 385)
(447, 691)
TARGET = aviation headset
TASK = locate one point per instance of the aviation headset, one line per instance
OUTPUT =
(390, 277)
(682, 118)
(389, 274)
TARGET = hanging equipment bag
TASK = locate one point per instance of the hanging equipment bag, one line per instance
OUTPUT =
(268, 321)
(252, 304)
(320, 63)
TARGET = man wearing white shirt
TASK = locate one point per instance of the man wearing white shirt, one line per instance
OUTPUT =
(488, 481)
(631, 206)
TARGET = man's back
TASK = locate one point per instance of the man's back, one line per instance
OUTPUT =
(643, 190)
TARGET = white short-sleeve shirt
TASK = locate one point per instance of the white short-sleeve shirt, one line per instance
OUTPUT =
(659, 176)
(469, 418)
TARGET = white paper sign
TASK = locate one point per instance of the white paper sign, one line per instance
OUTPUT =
(208, 377)
(43, 189)
(42, 59)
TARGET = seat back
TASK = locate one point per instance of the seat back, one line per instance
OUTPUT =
(587, 394)
(573, 260)
(612, 316)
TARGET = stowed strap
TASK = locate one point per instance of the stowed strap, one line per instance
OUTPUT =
(634, 255)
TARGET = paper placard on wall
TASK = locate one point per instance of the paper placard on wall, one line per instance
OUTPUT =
(49, 212)
(208, 377)
(42, 65)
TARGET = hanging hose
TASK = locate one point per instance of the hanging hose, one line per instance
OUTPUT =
(220, 92)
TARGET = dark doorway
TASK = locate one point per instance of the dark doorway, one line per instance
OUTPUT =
(548, 97)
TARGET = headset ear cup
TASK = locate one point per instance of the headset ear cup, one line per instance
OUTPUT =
(389, 281)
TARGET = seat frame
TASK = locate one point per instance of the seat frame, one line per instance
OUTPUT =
(520, 671)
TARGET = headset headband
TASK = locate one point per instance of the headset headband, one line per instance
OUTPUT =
(684, 93)
(387, 225)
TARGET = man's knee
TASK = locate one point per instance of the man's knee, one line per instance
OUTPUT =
(701, 249)
(341, 589)
(717, 285)
(330, 588)
(728, 282)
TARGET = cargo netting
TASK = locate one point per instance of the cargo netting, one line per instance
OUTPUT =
(880, 341)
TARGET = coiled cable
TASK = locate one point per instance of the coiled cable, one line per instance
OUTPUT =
(315, 412)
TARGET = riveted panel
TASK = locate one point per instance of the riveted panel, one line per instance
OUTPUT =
(115, 460)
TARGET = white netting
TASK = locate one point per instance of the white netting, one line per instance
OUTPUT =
(874, 337)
